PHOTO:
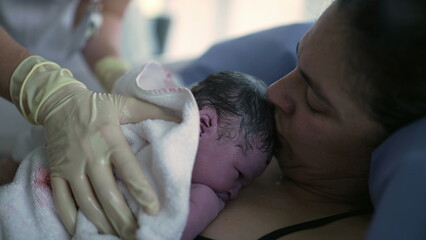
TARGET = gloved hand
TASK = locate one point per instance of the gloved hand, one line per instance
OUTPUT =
(109, 69)
(84, 142)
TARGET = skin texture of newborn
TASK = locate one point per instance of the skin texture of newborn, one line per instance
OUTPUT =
(235, 145)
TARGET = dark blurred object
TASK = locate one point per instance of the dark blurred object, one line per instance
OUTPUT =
(388, 51)
(391, 22)
(160, 28)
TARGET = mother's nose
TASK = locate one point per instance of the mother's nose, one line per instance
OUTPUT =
(278, 94)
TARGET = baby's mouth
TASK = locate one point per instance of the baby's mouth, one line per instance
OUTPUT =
(225, 196)
(231, 194)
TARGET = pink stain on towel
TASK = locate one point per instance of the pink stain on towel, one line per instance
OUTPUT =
(42, 189)
(168, 81)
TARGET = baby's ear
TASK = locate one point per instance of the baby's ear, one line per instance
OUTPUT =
(208, 121)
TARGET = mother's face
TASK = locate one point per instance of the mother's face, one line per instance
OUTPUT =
(325, 139)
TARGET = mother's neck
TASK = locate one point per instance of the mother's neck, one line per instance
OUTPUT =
(334, 191)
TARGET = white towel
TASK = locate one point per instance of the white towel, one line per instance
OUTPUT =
(166, 150)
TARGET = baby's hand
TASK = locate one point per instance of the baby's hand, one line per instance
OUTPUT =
(205, 198)
(203, 208)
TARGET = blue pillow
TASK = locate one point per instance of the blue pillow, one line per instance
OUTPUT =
(268, 55)
(398, 185)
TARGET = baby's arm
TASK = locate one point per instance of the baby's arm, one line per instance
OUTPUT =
(203, 208)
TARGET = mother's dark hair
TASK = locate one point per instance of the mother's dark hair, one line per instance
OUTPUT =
(386, 48)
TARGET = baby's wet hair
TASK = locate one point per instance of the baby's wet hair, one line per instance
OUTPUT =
(235, 94)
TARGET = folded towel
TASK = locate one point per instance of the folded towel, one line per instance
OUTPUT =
(166, 151)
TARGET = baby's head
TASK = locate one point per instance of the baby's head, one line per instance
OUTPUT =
(236, 131)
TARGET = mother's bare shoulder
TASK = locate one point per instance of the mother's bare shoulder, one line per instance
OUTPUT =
(266, 205)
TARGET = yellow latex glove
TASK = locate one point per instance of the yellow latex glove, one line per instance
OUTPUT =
(109, 69)
(84, 142)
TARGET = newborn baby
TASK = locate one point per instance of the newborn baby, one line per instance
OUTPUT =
(235, 145)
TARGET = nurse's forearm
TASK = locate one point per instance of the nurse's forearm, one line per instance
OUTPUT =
(106, 42)
(11, 54)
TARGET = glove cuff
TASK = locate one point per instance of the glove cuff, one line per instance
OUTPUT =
(34, 81)
(109, 69)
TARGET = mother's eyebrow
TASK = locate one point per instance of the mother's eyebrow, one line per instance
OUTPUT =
(314, 86)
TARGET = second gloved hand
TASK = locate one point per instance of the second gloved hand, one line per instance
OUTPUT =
(84, 143)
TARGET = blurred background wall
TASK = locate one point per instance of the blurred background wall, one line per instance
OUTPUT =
(176, 30)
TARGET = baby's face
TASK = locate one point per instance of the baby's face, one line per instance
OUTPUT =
(222, 165)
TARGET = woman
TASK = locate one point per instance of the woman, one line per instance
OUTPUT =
(343, 99)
